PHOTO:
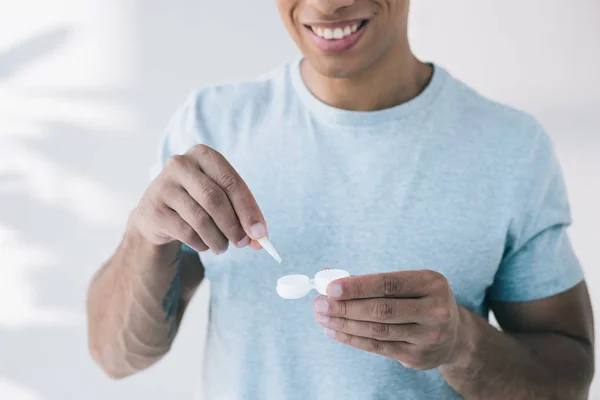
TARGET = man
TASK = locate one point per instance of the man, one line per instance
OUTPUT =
(442, 205)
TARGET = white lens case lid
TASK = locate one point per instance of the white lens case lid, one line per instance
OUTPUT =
(297, 286)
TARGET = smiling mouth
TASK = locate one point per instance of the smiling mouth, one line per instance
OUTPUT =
(337, 31)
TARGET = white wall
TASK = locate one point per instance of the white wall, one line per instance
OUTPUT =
(87, 85)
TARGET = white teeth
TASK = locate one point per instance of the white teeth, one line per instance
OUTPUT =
(337, 33)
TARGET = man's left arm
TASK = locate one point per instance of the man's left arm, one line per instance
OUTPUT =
(545, 350)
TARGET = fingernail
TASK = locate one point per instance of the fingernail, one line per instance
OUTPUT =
(219, 252)
(324, 319)
(330, 332)
(244, 242)
(258, 231)
(321, 306)
(334, 290)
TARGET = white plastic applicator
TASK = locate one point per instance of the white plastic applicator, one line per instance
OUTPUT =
(266, 244)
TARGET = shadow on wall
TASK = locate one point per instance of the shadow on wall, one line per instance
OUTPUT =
(31, 50)
(65, 197)
(69, 178)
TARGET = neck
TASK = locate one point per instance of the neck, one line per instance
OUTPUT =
(395, 79)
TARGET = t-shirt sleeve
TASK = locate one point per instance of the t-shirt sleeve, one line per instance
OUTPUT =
(180, 134)
(539, 260)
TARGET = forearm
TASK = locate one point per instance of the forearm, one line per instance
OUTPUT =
(135, 303)
(496, 365)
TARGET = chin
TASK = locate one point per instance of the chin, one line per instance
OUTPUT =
(340, 68)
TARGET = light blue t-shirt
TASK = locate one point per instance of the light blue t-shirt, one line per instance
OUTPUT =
(448, 181)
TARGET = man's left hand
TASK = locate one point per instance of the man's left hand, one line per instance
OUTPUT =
(409, 316)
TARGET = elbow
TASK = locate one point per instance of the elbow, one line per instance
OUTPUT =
(117, 350)
(110, 366)
(104, 347)
(107, 353)
(118, 362)
(587, 374)
(581, 380)
(587, 371)
(114, 374)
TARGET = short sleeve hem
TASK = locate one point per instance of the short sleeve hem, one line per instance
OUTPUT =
(538, 290)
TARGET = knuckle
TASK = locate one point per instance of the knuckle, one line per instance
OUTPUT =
(155, 212)
(430, 274)
(235, 230)
(175, 197)
(374, 345)
(442, 314)
(230, 182)
(344, 338)
(197, 211)
(437, 281)
(410, 309)
(201, 150)
(405, 332)
(158, 182)
(213, 196)
(390, 285)
(380, 330)
(187, 234)
(356, 289)
(202, 218)
(383, 310)
(175, 162)
(344, 308)
(436, 335)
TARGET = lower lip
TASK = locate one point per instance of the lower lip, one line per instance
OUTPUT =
(337, 45)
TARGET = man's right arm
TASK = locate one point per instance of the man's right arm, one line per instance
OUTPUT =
(137, 299)
(136, 302)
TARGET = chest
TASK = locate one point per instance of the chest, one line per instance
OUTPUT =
(368, 206)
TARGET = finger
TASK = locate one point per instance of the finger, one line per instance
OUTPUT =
(407, 354)
(209, 196)
(255, 245)
(195, 216)
(226, 177)
(177, 228)
(385, 310)
(407, 284)
(411, 333)
(388, 349)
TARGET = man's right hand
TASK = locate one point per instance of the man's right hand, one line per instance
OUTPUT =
(200, 200)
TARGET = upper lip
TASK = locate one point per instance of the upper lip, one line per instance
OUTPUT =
(333, 25)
